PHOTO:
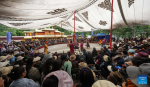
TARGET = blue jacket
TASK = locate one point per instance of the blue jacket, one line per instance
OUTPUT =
(24, 82)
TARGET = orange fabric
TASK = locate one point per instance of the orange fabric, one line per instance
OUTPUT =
(46, 48)
(130, 84)
(75, 85)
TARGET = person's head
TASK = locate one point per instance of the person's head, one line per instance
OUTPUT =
(86, 77)
(18, 73)
(57, 79)
(6, 80)
(137, 61)
(63, 57)
(112, 79)
(107, 59)
(81, 60)
(51, 81)
(131, 52)
(48, 66)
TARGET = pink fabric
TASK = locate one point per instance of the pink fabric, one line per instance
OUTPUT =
(64, 78)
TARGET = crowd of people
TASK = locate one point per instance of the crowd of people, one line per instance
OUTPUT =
(21, 65)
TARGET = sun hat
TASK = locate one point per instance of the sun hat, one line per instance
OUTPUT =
(143, 54)
(105, 58)
(36, 59)
(19, 58)
(117, 56)
(6, 70)
(64, 78)
(131, 51)
(72, 57)
(46, 56)
(103, 83)
(16, 52)
(3, 58)
(2, 64)
(133, 73)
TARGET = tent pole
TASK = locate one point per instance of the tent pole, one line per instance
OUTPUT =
(61, 31)
(111, 26)
(74, 22)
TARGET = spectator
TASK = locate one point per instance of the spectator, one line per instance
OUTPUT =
(18, 74)
(82, 56)
(82, 64)
(102, 83)
(32, 72)
(87, 78)
(57, 78)
(131, 55)
(67, 65)
(73, 61)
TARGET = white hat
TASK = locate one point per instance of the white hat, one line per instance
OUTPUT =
(109, 67)
(2, 64)
(19, 58)
(3, 58)
(16, 52)
(103, 83)
(6, 70)
(36, 59)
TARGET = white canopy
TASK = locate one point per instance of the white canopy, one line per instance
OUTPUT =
(90, 14)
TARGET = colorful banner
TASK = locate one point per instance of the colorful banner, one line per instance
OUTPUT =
(92, 33)
(81, 35)
(9, 37)
(76, 36)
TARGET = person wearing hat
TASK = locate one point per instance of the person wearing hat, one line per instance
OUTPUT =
(46, 56)
(104, 70)
(134, 72)
(46, 48)
(82, 56)
(130, 55)
(32, 72)
(118, 60)
(103, 83)
(57, 78)
(67, 65)
(5, 70)
(73, 61)
(82, 64)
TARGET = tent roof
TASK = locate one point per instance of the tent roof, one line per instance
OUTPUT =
(90, 15)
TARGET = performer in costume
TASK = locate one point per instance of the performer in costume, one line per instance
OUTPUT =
(71, 47)
(46, 48)
(81, 46)
(87, 44)
(103, 42)
(76, 45)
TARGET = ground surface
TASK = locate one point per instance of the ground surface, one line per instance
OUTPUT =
(63, 47)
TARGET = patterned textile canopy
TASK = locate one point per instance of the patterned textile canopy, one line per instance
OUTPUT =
(90, 14)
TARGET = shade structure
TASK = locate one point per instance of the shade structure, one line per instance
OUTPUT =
(90, 14)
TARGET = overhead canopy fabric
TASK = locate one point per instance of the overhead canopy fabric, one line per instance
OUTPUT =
(90, 14)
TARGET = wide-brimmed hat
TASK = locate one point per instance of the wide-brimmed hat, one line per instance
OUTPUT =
(134, 72)
(36, 59)
(64, 79)
(76, 53)
(119, 51)
(103, 83)
(2, 64)
(116, 57)
(105, 58)
(19, 58)
(3, 58)
(72, 57)
(46, 56)
(6, 70)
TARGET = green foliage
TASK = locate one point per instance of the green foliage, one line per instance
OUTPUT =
(5, 29)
